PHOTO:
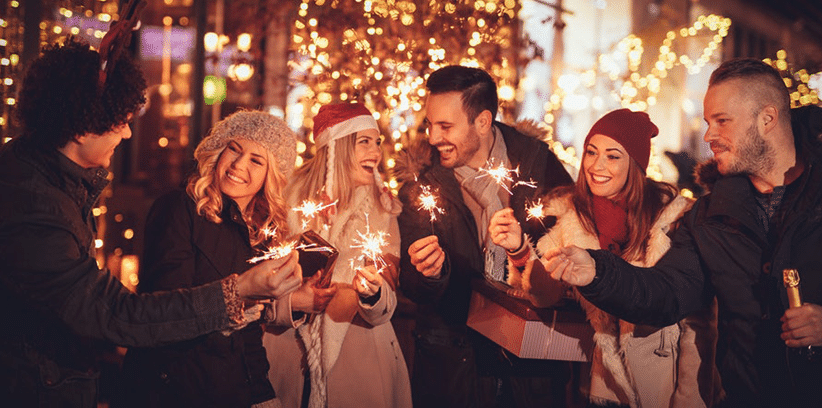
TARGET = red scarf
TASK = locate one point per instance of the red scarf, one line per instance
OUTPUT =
(611, 220)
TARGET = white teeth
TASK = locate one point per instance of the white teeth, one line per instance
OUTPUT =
(446, 149)
(234, 178)
(600, 179)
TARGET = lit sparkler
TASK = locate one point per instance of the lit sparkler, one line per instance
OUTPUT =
(371, 244)
(428, 202)
(503, 175)
(309, 209)
(282, 250)
(535, 211)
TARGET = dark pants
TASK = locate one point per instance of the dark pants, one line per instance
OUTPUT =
(471, 371)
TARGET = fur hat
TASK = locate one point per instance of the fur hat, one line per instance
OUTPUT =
(633, 130)
(336, 121)
(261, 127)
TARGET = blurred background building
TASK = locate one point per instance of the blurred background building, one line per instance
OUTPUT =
(559, 64)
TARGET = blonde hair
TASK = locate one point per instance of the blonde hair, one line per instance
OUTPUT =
(267, 210)
(309, 179)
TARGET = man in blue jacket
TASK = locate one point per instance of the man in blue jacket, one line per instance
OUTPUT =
(763, 215)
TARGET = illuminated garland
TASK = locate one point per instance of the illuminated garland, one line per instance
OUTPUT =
(798, 83)
(380, 53)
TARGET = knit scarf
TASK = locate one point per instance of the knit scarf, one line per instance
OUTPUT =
(611, 220)
(485, 191)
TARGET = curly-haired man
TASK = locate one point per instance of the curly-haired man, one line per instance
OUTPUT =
(57, 304)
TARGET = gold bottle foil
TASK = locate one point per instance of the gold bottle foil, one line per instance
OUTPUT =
(790, 278)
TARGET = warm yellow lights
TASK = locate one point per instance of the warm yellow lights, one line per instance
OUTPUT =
(244, 42)
(211, 40)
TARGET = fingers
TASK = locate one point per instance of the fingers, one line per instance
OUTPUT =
(422, 243)
(426, 255)
(322, 297)
(436, 266)
(802, 326)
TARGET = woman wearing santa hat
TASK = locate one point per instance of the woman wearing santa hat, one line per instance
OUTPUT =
(614, 206)
(350, 352)
(205, 233)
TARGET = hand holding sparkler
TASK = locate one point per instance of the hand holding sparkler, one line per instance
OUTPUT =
(505, 230)
(570, 264)
(367, 281)
(427, 256)
(272, 278)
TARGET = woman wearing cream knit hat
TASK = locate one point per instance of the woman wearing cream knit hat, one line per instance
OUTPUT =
(205, 233)
(351, 353)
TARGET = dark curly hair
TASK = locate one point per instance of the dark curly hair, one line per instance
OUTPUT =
(60, 99)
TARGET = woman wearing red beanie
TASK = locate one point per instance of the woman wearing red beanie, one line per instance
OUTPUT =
(349, 351)
(614, 206)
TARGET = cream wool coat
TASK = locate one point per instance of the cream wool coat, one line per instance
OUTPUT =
(351, 349)
(640, 366)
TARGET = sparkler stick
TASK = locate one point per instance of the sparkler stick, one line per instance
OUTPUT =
(503, 175)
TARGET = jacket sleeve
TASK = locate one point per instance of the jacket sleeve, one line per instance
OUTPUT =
(661, 295)
(414, 225)
(381, 311)
(48, 268)
(169, 252)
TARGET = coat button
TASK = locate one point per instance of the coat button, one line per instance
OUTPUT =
(766, 268)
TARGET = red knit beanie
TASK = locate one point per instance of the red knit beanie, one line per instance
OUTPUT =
(633, 130)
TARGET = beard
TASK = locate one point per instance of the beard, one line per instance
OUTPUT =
(465, 150)
(755, 155)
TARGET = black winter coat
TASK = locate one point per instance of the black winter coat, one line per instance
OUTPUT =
(58, 310)
(184, 249)
(444, 371)
(721, 249)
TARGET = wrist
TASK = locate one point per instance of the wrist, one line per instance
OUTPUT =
(519, 248)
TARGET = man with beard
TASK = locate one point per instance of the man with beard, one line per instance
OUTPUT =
(454, 366)
(764, 215)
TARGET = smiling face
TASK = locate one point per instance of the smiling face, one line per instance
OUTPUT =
(733, 133)
(605, 164)
(367, 155)
(451, 132)
(93, 150)
(241, 170)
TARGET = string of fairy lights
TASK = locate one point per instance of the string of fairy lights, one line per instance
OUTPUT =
(11, 42)
(380, 53)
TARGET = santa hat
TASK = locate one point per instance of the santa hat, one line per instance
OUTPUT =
(269, 131)
(633, 130)
(336, 121)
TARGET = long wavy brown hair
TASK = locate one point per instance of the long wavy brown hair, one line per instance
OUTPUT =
(267, 210)
(645, 198)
